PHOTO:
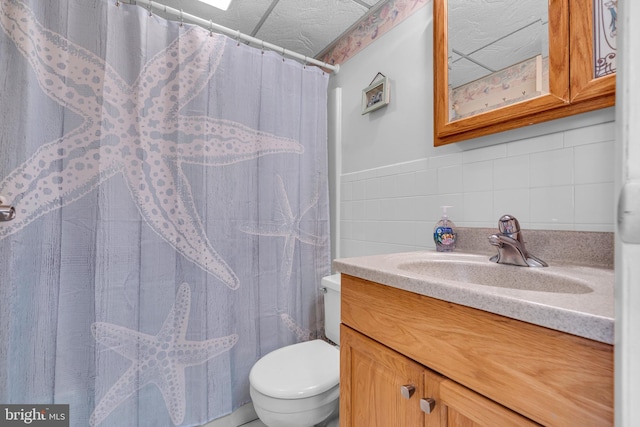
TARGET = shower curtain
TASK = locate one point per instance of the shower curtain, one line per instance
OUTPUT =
(172, 224)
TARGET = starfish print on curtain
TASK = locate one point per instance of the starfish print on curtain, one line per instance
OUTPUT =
(288, 227)
(159, 359)
(135, 130)
(302, 334)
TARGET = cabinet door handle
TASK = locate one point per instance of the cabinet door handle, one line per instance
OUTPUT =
(407, 391)
(427, 404)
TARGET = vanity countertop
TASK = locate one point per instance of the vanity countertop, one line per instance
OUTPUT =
(587, 314)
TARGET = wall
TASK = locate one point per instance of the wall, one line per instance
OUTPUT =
(390, 181)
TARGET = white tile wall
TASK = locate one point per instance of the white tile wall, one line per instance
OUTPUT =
(561, 181)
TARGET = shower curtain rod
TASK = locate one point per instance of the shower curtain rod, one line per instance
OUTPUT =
(236, 34)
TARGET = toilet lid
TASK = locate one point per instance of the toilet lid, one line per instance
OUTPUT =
(297, 371)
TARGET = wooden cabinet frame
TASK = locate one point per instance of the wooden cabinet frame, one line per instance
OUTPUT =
(584, 87)
(572, 89)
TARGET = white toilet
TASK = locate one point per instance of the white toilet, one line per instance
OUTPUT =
(298, 385)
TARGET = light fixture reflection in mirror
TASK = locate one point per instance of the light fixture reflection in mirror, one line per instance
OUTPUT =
(219, 4)
(498, 54)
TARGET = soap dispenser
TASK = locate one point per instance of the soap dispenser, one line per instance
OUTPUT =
(444, 233)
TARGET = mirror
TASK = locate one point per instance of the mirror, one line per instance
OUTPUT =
(503, 64)
(498, 54)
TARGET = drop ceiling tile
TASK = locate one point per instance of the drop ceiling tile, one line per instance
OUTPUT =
(468, 29)
(517, 31)
(304, 26)
(465, 71)
(242, 15)
(308, 26)
(531, 41)
(453, 57)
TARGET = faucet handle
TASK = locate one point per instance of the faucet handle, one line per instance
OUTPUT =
(508, 224)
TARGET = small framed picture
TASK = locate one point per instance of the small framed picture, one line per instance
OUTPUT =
(376, 95)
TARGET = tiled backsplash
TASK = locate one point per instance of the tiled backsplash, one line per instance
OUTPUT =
(559, 181)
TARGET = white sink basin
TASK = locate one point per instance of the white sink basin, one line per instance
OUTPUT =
(541, 279)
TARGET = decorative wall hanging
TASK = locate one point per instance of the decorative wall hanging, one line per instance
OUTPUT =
(376, 95)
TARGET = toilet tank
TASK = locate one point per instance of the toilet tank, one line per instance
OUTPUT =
(331, 288)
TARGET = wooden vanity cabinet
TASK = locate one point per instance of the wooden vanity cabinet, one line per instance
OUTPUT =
(383, 388)
(399, 349)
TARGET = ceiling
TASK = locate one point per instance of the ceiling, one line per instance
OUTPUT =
(307, 27)
(484, 35)
(490, 35)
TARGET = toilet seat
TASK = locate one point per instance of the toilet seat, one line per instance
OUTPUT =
(297, 371)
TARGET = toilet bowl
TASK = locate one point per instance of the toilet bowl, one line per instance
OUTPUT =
(298, 385)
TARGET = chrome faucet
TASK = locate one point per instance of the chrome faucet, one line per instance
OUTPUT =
(511, 248)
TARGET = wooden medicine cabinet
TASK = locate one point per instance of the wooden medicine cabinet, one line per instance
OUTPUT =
(482, 86)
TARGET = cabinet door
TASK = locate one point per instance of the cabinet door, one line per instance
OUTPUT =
(593, 51)
(382, 388)
(465, 408)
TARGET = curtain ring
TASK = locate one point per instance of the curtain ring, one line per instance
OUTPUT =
(210, 28)
(262, 42)
(117, 3)
(181, 19)
(238, 38)
(150, 11)
(305, 62)
(283, 54)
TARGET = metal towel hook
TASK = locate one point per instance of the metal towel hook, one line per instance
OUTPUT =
(7, 212)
